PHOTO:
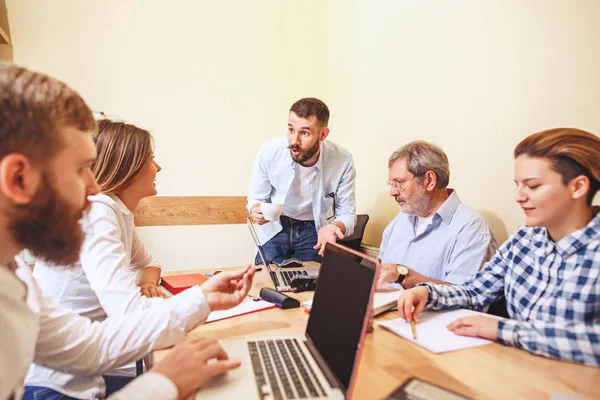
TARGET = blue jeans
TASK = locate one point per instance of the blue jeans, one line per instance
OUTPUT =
(42, 393)
(297, 240)
(114, 383)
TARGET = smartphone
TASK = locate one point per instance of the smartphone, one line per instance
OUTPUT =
(417, 389)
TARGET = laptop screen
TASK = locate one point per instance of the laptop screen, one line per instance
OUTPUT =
(339, 308)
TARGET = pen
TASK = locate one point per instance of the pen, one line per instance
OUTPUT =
(414, 329)
(254, 298)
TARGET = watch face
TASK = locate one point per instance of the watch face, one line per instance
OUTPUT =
(402, 270)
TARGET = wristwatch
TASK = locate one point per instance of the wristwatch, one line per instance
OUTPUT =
(402, 271)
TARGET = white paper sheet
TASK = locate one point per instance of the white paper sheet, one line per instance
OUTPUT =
(432, 333)
(247, 306)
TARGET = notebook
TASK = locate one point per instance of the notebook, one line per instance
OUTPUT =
(383, 300)
(312, 365)
(432, 333)
(178, 283)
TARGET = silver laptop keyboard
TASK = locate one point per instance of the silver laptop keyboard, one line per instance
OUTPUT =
(287, 276)
(282, 370)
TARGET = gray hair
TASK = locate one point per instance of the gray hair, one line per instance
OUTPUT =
(421, 157)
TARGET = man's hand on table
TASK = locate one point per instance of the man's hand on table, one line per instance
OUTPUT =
(186, 365)
(228, 289)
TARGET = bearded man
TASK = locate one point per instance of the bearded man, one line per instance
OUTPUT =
(435, 237)
(45, 154)
(314, 181)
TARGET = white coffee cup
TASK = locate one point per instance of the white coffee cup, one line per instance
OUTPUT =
(271, 211)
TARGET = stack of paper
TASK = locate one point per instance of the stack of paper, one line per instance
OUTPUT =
(432, 333)
(383, 300)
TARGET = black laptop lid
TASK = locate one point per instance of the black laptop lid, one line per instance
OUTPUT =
(340, 308)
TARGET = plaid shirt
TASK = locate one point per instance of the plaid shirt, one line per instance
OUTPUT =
(552, 292)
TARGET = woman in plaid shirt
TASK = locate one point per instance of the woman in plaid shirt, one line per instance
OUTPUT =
(548, 270)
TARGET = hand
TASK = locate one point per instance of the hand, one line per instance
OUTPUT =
(257, 215)
(412, 301)
(388, 273)
(186, 365)
(329, 233)
(228, 289)
(152, 290)
(476, 325)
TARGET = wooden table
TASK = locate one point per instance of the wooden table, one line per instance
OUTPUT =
(487, 372)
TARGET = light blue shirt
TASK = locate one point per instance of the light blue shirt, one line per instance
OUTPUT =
(452, 248)
(273, 173)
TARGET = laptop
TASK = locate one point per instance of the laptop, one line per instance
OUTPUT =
(324, 362)
(281, 277)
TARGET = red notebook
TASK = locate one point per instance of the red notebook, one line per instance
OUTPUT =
(178, 283)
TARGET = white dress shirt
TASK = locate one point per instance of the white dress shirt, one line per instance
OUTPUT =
(273, 173)
(35, 329)
(103, 283)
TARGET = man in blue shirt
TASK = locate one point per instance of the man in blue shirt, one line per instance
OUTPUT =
(314, 181)
(435, 237)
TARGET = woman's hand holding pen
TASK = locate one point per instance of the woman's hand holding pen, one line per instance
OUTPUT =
(411, 302)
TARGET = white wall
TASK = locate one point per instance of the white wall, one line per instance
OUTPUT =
(211, 80)
(474, 77)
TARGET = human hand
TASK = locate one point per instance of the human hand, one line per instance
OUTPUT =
(328, 233)
(257, 215)
(412, 301)
(228, 288)
(476, 325)
(388, 273)
(186, 365)
(151, 290)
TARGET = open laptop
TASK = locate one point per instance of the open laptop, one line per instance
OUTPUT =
(324, 362)
(281, 277)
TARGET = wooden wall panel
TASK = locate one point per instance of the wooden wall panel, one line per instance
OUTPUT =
(191, 210)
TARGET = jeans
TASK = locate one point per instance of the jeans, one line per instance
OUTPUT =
(42, 393)
(114, 383)
(297, 240)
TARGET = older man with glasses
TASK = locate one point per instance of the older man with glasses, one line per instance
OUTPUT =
(435, 237)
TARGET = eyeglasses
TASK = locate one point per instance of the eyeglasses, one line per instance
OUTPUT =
(399, 185)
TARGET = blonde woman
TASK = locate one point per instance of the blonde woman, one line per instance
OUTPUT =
(115, 274)
(549, 270)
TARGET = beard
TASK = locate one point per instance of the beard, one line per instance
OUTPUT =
(48, 226)
(304, 155)
(417, 205)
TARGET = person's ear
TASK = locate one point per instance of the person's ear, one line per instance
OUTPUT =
(19, 181)
(580, 186)
(324, 133)
(430, 179)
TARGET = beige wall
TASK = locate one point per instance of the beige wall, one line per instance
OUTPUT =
(475, 77)
(214, 79)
